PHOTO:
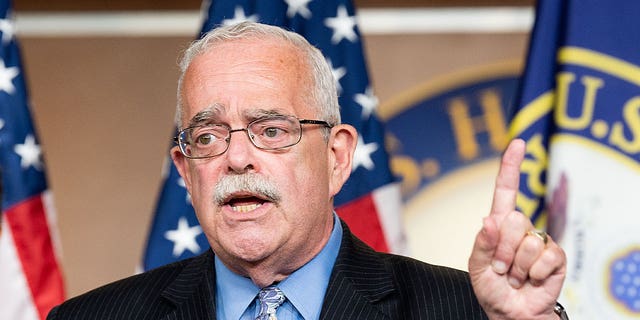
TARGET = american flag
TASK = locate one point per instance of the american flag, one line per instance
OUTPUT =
(30, 276)
(370, 200)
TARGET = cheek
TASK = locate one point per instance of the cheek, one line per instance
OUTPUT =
(310, 174)
(202, 184)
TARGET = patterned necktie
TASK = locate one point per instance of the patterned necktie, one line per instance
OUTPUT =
(270, 299)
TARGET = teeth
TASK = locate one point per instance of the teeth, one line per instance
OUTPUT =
(245, 208)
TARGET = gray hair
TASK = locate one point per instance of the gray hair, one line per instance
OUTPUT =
(323, 93)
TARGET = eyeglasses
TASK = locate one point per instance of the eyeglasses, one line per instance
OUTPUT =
(270, 133)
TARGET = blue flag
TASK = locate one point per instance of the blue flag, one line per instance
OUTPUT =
(370, 200)
(579, 112)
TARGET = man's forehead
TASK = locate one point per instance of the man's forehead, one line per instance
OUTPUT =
(232, 49)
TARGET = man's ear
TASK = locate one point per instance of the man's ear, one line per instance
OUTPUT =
(342, 146)
(181, 164)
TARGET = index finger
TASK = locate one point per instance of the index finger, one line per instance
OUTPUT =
(508, 180)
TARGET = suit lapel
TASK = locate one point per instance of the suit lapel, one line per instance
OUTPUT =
(360, 285)
(193, 291)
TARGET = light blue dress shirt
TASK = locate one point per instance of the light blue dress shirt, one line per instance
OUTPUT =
(304, 289)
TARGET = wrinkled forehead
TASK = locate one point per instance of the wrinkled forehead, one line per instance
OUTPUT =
(274, 53)
(261, 77)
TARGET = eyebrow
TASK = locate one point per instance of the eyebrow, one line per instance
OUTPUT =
(211, 114)
(208, 115)
(255, 114)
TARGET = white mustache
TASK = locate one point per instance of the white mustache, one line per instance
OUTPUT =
(248, 182)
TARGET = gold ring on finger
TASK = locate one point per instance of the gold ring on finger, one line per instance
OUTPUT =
(540, 235)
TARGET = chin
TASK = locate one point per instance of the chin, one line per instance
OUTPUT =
(251, 249)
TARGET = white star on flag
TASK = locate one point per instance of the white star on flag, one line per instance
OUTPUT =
(1, 124)
(298, 6)
(337, 75)
(343, 26)
(362, 155)
(30, 153)
(184, 237)
(6, 77)
(184, 185)
(368, 101)
(240, 16)
(8, 30)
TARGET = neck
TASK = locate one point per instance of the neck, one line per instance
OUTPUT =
(277, 266)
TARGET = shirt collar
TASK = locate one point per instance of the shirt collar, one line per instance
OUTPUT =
(315, 274)
(234, 293)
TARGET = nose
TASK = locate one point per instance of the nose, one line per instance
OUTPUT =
(240, 153)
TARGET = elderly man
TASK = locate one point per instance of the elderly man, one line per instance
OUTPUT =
(263, 154)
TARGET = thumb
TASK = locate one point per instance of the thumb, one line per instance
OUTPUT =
(485, 246)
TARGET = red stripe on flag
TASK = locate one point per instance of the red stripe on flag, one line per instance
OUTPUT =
(362, 217)
(31, 236)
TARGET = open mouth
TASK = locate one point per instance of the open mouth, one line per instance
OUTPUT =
(243, 204)
(245, 193)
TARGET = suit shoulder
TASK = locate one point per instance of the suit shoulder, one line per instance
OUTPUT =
(138, 294)
(416, 268)
(402, 268)
(420, 285)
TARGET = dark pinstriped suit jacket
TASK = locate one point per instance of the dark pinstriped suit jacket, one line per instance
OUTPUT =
(364, 284)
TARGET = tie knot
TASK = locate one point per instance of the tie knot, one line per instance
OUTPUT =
(270, 299)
